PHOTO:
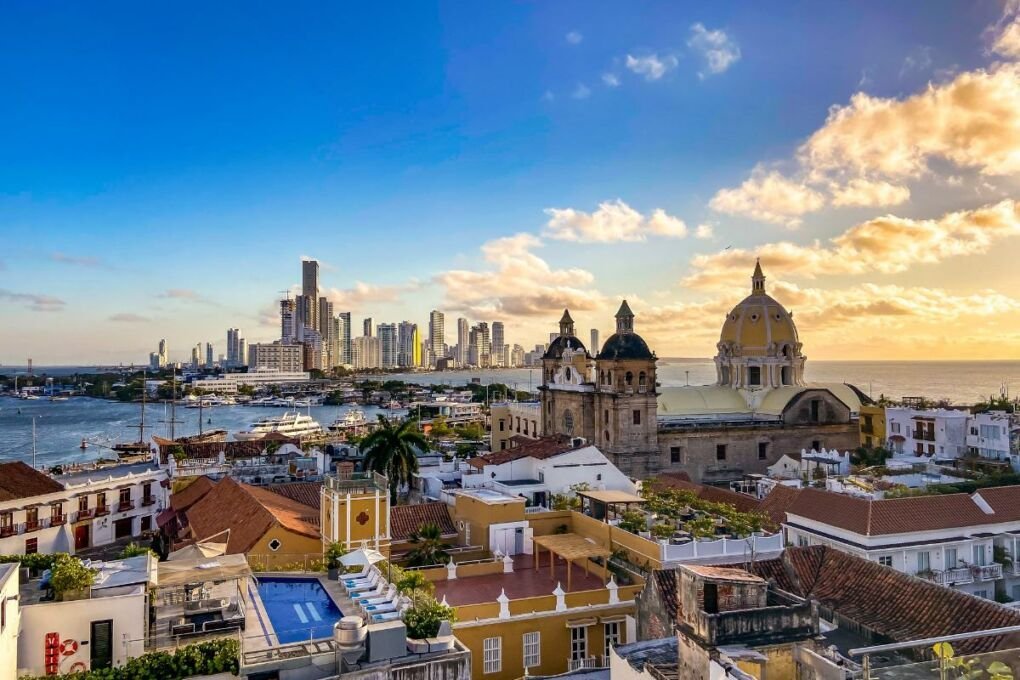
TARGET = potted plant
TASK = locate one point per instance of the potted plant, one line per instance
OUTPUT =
(334, 551)
(70, 578)
(423, 620)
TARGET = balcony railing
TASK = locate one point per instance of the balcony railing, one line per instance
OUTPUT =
(31, 526)
(587, 662)
(949, 577)
(102, 510)
(987, 572)
(87, 513)
(7, 530)
(58, 520)
(148, 500)
(125, 505)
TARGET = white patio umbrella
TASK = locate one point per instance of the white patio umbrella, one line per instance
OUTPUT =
(362, 557)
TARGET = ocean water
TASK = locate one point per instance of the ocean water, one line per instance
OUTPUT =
(60, 426)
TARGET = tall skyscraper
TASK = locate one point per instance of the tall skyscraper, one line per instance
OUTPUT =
(209, 361)
(437, 334)
(196, 356)
(233, 345)
(367, 327)
(480, 346)
(288, 321)
(164, 357)
(365, 352)
(388, 347)
(242, 352)
(497, 344)
(462, 341)
(406, 334)
(310, 290)
(416, 343)
(326, 329)
(594, 346)
(345, 337)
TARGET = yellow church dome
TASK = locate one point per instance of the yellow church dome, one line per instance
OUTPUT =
(759, 325)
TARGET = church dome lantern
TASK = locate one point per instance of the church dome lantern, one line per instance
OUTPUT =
(759, 346)
(625, 343)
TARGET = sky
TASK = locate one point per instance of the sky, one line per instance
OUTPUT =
(165, 168)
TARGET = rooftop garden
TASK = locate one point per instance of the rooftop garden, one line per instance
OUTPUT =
(674, 513)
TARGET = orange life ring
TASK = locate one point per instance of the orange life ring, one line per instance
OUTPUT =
(68, 647)
(78, 667)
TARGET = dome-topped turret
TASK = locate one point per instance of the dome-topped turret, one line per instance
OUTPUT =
(625, 343)
(566, 340)
(758, 321)
(759, 345)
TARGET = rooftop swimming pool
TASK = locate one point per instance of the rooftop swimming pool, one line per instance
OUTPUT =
(298, 608)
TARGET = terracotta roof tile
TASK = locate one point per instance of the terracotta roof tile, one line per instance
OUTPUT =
(191, 494)
(18, 480)
(306, 493)
(900, 515)
(248, 512)
(406, 519)
(778, 502)
(542, 448)
(890, 603)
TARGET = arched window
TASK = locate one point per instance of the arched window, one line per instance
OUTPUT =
(607, 436)
(787, 375)
(629, 378)
(566, 372)
(641, 379)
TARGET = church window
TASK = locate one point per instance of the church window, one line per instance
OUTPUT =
(502, 425)
(605, 416)
(566, 372)
(642, 379)
(726, 375)
(720, 452)
(816, 407)
(763, 450)
(629, 378)
(674, 454)
(787, 375)
(816, 445)
(754, 375)
(637, 417)
(606, 434)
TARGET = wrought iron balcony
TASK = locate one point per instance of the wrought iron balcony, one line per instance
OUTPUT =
(123, 506)
(83, 514)
(102, 510)
(148, 500)
(58, 520)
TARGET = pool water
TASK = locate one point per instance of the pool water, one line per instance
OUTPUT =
(299, 609)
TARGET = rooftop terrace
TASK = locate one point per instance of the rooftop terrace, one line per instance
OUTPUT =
(524, 581)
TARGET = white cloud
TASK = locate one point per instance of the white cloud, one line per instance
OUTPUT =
(651, 66)
(582, 91)
(610, 79)
(574, 37)
(362, 294)
(770, 197)
(863, 192)
(517, 283)
(972, 122)
(918, 60)
(886, 244)
(1006, 33)
(613, 221)
(704, 231)
(718, 50)
(128, 317)
(34, 301)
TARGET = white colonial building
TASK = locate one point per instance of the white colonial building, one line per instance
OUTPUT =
(938, 433)
(968, 542)
(40, 513)
(538, 469)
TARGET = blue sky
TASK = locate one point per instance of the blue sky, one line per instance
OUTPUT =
(205, 149)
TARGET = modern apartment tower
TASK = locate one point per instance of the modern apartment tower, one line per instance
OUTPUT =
(288, 321)
(437, 334)
(407, 332)
(463, 341)
(345, 337)
(388, 348)
(209, 360)
(310, 293)
(593, 348)
(366, 327)
(498, 345)
(326, 331)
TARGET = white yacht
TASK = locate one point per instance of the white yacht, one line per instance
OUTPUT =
(289, 424)
(352, 420)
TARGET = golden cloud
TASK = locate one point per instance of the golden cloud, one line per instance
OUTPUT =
(769, 197)
(612, 221)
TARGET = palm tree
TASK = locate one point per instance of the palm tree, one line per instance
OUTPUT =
(392, 451)
(429, 547)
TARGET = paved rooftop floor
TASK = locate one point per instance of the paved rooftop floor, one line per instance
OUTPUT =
(525, 581)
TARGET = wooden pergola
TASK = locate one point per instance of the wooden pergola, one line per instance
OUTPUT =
(598, 504)
(569, 547)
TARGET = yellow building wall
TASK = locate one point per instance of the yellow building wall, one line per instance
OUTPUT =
(360, 514)
(479, 515)
(779, 664)
(554, 641)
(872, 419)
(296, 551)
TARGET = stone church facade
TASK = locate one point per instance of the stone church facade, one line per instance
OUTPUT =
(759, 409)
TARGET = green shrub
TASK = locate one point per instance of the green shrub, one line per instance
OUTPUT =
(35, 561)
(70, 574)
(203, 658)
(424, 617)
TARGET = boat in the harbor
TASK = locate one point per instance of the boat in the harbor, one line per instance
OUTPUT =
(289, 424)
(58, 397)
(204, 438)
(353, 420)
